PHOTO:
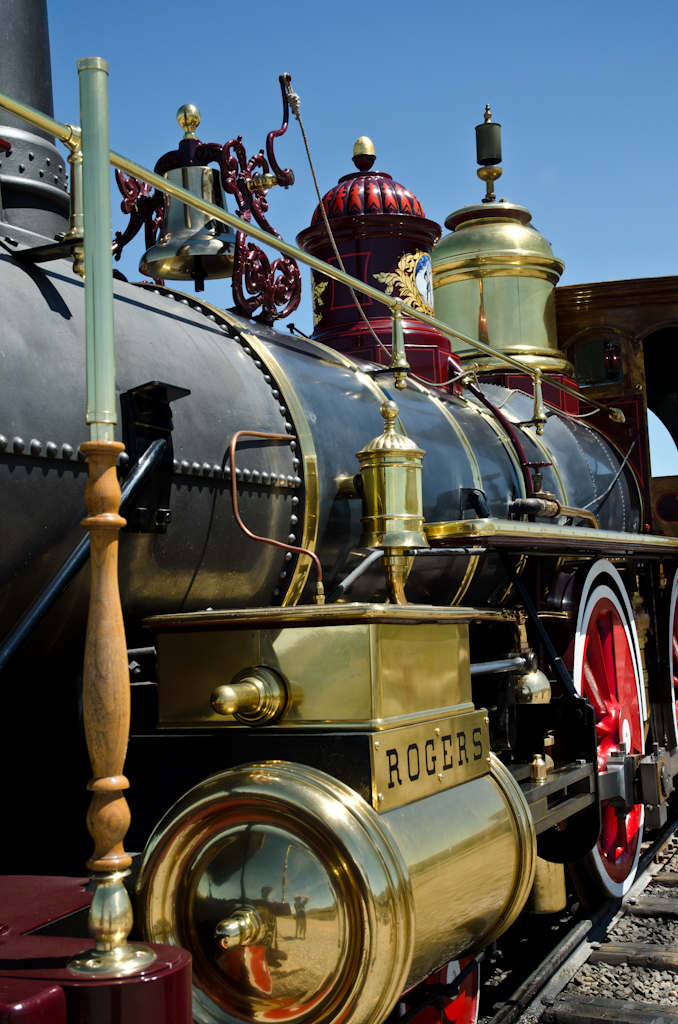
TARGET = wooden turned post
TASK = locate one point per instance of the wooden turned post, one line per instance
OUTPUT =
(106, 710)
(106, 693)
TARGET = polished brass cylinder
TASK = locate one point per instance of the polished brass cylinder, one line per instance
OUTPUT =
(381, 900)
(390, 467)
(493, 279)
(471, 855)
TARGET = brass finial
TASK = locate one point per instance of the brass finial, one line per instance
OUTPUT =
(389, 410)
(188, 117)
(363, 153)
(390, 440)
(488, 113)
(363, 145)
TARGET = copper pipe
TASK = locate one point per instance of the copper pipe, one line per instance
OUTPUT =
(319, 591)
(578, 513)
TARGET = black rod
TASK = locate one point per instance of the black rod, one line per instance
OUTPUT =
(72, 565)
(562, 675)
(517, 664)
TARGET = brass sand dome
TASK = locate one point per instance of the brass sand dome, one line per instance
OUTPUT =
(493, 279)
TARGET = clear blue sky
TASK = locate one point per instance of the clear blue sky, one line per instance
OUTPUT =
(585, 91)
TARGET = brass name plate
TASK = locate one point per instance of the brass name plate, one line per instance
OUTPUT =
(419, 760)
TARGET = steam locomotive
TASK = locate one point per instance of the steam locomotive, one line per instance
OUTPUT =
(338, 805)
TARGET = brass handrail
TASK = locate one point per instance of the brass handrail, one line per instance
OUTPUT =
(70, 133)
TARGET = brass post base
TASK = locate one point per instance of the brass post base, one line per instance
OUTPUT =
(110, 922)
(397, 565)
(112, 963)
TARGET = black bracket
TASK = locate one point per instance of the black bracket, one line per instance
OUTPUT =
(146, 416)
(56, 250)
(574, 726)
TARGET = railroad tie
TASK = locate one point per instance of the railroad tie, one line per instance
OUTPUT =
(570, 1008)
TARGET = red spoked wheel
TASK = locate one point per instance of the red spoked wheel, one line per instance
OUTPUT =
(462, 1008)
(673, 656)
(606, 669)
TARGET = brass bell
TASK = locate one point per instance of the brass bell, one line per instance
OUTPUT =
(192, 246)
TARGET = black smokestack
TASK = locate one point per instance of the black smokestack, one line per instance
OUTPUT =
(33, 174)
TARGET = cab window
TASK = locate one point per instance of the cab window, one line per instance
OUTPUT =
(599, 362)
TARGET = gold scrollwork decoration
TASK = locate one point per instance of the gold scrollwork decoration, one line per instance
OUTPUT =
(413, 278)
(318, 289)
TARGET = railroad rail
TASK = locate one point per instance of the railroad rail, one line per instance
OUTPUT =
(557, 991)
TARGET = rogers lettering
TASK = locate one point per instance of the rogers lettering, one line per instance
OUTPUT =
(417, 760)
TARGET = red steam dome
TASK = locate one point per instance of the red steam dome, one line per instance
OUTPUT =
(385, 240)
(368, 192)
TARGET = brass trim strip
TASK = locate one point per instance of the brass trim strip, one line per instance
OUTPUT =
(505, 440)
(474, 560)
(442, 406)
(548, 456)
(467, 580)
(362, 375)
(318, 615)
(309, 533)
(503, 257)
(546, 536)
(553, 277)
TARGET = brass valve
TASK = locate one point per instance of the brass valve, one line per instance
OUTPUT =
(532, 686)
(242, 928)
(261, 182)
(538, 770)
(255, 696)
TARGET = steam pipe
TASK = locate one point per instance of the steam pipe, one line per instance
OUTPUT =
(342, 587)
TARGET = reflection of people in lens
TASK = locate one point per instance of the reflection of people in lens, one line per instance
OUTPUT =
(266, 892)
(300, 913)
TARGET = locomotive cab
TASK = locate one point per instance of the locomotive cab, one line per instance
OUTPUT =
(621, 336)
